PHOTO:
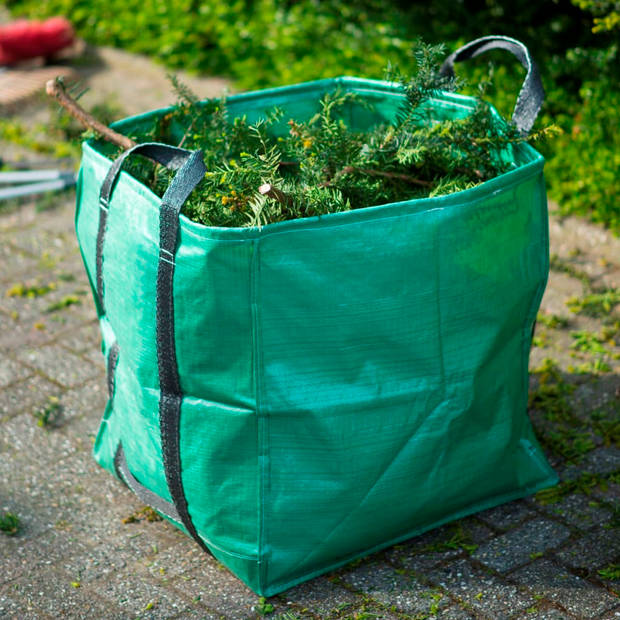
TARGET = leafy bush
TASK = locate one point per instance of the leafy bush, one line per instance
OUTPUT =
(275, 42)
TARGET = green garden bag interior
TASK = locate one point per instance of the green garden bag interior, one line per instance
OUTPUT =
(302, 394)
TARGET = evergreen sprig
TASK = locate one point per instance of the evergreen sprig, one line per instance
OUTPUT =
(258, 175)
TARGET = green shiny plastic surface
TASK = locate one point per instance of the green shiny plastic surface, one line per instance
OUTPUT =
(349, 381)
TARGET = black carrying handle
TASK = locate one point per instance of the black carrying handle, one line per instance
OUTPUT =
(531, 95)
(191, 170)
(172, 157)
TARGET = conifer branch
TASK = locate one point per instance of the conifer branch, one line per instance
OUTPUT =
(377, 173)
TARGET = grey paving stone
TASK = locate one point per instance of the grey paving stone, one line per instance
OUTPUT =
(17, 332)
(11, 609)
(578, 510)
(610, 494)
(60, 365)
(592, 552)
(29, 322)
(453, 613)
(381, 582)
(140, 597)
(63, 499)
(614, 614)
(31, 551)
(52, 592)
(601, 461)
(506, 515)
(485, 593)
(44, 244)
(321, 597)
(599, 395)
(26, 396)
(514, 548)
(28, 451)
(16, 264)
(560, 287)
(12, 371)
(97, 562)
(85, 338)
(536, 613)
(423, 552)
(82, 409)
(99, 522)
(203, 579)
(576, 595)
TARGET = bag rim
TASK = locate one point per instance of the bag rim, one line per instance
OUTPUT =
(503, 182)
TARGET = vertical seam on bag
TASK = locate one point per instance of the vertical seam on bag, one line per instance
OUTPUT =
(261, 421)
(439, 316)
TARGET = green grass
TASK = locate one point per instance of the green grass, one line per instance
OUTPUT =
(9, 524)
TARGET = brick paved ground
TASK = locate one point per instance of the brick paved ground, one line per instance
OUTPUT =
(549, 557)
(74, 556)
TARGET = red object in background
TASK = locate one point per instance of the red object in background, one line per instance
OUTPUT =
(25, 39)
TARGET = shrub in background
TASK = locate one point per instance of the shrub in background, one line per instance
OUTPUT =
(275, 42)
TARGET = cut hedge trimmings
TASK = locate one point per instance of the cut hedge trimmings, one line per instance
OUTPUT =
(257, 175)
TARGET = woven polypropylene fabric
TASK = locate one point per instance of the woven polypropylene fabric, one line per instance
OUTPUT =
(347, 381)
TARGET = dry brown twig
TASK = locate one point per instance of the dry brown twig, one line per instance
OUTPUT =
(56, 88)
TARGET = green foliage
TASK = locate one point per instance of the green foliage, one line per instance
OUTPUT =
(48, 415)
(9, 524)
(607, 13)
(274, 42)
(30, 290)
(598, 304)
(562, 433)
(39, 138)
(61, 304)
(586, 158)
(552, 321)
(610, 573)
(257, 175)
(559, 264)
(586, 483)
(458, 539)
(607, 426)
(263, 608)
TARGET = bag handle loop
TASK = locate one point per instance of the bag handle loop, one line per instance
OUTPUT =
(531, 95)
(190, 171)
(190, 167)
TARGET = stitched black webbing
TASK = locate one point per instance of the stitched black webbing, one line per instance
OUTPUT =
(144, 494)
(191, 171)
(112, 361)
(169, 156)
(169, 382)
(532, 94)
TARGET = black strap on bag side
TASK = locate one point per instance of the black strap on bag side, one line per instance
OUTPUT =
(147, 496)
(191, 170)
(532, 94)
(168, 156)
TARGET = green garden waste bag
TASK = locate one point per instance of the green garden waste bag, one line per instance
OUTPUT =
(305, 393)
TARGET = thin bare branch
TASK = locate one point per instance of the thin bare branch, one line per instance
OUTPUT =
(55, 88)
